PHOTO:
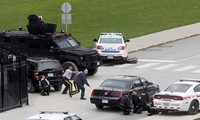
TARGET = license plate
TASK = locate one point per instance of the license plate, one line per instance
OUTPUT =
(98, 63)
(50, 74)
(104, 101)
(166, 104)
(166, 99)
(110, 57)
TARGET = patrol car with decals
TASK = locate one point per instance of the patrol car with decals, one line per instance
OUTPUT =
(50, 115)
(112, 46)
(180, 96)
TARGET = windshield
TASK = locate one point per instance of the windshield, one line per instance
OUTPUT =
(49, 65)
(111, 40)
(123, 84)
(178, 87)
(66, 42)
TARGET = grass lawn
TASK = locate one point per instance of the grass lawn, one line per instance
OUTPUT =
(91, 17)
(197, 119)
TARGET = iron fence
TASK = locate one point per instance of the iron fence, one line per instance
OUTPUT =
(13, 79)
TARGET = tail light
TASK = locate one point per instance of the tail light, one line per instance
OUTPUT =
(121, 48)
(99, 47)
(120, 94)
(92, 94)
(62, 72)
(177, 98)
(157, 97)
(36, 75)
(168, 97)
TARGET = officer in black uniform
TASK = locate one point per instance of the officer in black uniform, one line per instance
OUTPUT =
(44, 83)
(79, 81)
(138, 103)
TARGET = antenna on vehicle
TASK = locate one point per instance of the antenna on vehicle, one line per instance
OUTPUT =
(20, 28)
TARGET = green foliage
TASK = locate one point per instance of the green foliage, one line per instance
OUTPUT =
(91, 17)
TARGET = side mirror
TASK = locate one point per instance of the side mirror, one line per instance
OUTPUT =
(127, 40)
(95, 40)
(79, 43)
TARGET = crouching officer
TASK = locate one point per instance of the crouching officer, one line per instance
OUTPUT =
(79, 81)
(138, 103)
(44, 83)
(126, 104)
(151, 109)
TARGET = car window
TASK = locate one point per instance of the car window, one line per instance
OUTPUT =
(144, 82)
(75, 117)
(111, 40)
(123, 84)
(72, 41)
(68, 118)
(137, 84)
(63, 43)
(49, 65)
(66, 42)
(178, 87)
(197, 88)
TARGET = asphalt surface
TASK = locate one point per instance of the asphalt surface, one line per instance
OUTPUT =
(162, 37)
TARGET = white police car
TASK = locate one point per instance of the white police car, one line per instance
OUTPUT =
(50, 115)
(112, 46)
(180, 96)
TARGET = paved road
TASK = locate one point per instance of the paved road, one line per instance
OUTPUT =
(58, 102)
(164, 65)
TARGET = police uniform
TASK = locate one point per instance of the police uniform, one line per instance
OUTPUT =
(68, 85)
(79, 81)
(139, 104)
(44, 83)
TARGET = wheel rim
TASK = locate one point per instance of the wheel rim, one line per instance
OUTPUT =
(193, 108)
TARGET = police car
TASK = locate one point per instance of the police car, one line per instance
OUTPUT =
(49, 115)
(180, 96)
(112, 46)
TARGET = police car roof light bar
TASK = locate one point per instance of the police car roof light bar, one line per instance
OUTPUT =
(43, 112)
(190, 80)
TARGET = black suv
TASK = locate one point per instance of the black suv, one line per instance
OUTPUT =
(43, 41)
(51, 68)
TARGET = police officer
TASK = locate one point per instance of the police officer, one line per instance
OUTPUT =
(139, 104)
(66, 80)
(44, 83)
(79, 81)
(150, 108)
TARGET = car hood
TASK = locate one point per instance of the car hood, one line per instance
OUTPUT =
(80, 51)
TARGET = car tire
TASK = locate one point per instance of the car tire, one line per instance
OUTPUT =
(194, 107)
(65, 65)
(164, 112)
(31, 88)
(92, 71)
(57, 87)
(99, 106)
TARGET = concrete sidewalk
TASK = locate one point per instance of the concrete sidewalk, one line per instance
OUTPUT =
(162, 37)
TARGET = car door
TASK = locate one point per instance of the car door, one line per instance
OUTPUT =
(137, 85)
(149, 88)
(197, 91)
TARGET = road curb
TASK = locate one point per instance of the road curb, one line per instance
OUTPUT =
(165, 42)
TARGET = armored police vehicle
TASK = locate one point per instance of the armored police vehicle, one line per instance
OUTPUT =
(41, 40)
